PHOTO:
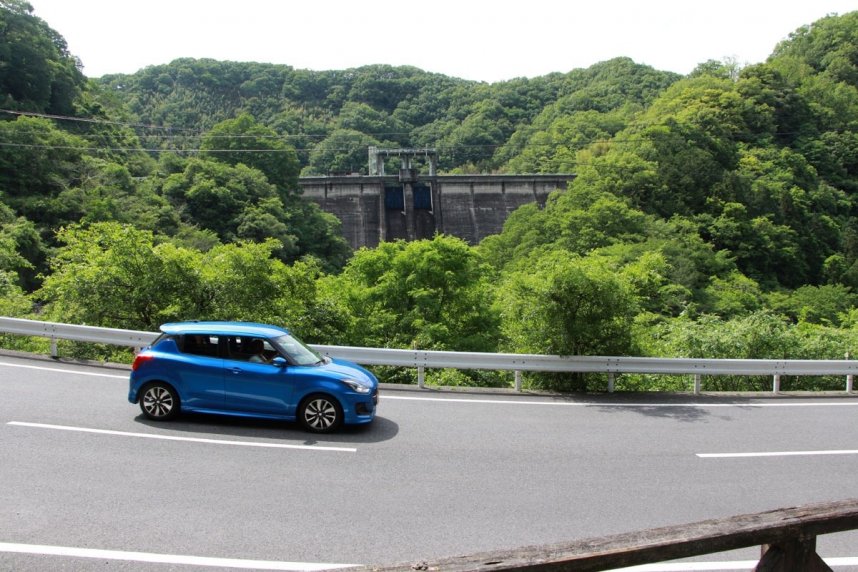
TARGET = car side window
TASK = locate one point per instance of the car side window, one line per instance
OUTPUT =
(200, 344)
(248, 348)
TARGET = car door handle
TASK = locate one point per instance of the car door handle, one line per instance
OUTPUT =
(236, 370)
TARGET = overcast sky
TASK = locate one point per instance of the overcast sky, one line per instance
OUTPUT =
(470, 39)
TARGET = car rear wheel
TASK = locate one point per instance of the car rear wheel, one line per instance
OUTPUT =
(320, 414)
(159, 402)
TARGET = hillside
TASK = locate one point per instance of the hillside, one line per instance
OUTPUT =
(331, 117)
(712, 215)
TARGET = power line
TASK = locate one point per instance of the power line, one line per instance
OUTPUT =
(188, 131)
(81, 119)
(191, 134)
(140, 149)
(187, 151)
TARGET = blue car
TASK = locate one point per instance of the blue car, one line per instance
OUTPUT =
(249, 370)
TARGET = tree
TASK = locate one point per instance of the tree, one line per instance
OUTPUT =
(113, 275)
(13, 265)
(566, 305)
(733, 295)
(474, 141)
(344, 151)
(22, 250)
(578, 221)
(243, 141)
(555, 149)
(428, 294)
(765, 251)
(238, 203)
(825, 305)
(37, 162)
(319, 235)
(214, 195)
(819, 60)
(37, 73)
(108, 275)
(11, 259)
(361, 117)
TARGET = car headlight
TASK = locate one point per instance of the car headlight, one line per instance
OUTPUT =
(357, 386)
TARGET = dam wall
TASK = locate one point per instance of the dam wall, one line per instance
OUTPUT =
(412, 207)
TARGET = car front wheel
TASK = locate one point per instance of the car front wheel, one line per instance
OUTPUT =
(320, 414)
(159, 402)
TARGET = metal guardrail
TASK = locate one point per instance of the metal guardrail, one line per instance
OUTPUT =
(423, 359)
(57, 331)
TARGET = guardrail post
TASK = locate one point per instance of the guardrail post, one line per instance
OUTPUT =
(517, 380)
(776, 384)
(698, 383)
(611, 380)
(850, 383)
(54, 352)
(421, 377)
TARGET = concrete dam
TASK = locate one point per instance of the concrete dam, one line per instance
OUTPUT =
(412, 206)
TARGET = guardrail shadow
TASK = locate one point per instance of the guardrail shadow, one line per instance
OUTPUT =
(694, 408)
(380, 430)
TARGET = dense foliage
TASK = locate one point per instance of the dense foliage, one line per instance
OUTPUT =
(713, 215)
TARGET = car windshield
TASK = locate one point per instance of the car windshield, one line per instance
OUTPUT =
(297, 351)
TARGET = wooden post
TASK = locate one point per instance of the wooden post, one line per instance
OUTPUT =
(794, 555)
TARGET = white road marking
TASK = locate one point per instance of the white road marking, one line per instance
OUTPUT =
(776, 454)
(43, 550)
(71, 371)
(692, 566)
(736, 565)
(186, 439)
(386, 396)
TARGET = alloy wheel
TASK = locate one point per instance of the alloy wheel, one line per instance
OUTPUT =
(158, 402)
(320, 414)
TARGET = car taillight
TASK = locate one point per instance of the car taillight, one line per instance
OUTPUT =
(140, 360)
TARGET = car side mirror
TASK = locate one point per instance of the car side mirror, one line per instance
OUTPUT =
(279, 361)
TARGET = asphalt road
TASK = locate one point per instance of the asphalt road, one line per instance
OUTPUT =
(86, 483)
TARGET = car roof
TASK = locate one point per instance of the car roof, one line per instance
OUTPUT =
(230, 328)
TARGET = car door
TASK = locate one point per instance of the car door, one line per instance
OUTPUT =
(200, 372)
(251, 386)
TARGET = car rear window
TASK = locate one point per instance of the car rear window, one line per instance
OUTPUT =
(199, 344)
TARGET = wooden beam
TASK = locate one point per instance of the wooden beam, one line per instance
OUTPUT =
(791, 531)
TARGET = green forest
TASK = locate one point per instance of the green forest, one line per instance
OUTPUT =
(713, 215)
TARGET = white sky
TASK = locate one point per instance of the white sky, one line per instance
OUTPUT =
(471, 39)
